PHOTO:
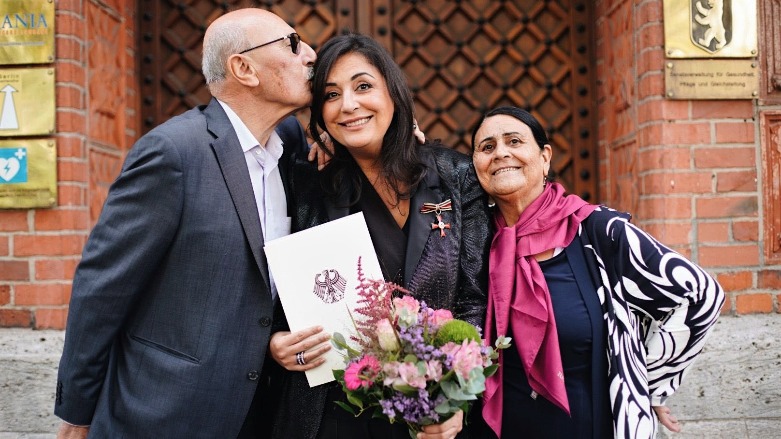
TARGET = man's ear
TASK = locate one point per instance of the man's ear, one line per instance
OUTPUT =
(240, 68)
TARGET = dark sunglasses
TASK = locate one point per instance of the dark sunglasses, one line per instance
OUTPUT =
(295, 43)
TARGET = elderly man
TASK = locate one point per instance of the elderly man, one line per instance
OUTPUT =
(172, 302)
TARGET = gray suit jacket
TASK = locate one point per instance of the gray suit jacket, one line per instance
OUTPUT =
(171, 309)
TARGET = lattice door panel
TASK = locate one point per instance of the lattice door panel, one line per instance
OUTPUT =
(170, 46)
(464, 57)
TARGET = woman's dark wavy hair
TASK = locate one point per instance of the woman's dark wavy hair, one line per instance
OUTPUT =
(522, 115)
(399, 156)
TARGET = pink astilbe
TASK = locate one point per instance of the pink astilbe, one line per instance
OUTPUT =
(374, 304)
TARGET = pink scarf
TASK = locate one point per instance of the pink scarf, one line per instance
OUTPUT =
(517, 292)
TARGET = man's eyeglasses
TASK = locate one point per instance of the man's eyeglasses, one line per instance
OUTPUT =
(295, 43)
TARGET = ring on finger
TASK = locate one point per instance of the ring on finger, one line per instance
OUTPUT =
(300, 360)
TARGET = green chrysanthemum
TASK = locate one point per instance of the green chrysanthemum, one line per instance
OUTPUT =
(456, 331)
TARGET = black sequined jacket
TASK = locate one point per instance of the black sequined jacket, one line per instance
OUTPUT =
(446, 272)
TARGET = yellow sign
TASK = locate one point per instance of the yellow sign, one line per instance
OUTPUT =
(26, 31)
(28, 102)
(28, 173)
(711, 79)
(710, 28)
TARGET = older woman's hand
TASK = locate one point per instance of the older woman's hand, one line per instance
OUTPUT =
(301, 350)
(667, 419)
(446, 430)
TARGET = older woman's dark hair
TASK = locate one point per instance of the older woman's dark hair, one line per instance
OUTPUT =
(399, 157)
(524, 116)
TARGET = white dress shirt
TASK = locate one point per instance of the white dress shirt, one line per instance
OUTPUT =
(262, 162)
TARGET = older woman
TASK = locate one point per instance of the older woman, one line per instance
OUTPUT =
(605, 318)
(361, 99)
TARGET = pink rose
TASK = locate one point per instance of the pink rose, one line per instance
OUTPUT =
(410, 374)
(441, 316)
(406, 310)
(433, 370)
(386, 335)
(466, 356)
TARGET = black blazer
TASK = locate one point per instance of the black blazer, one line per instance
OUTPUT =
(171, 309)
(446, 272)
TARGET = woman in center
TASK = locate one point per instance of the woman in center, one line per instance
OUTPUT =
(426, 214)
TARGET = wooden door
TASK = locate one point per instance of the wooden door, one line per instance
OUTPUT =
(461, 58)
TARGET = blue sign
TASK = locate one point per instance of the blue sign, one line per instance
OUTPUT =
(13, 165)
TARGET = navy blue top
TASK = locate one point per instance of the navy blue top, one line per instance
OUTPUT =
(579, 323)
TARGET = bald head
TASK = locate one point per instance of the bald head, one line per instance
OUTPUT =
(228, 35)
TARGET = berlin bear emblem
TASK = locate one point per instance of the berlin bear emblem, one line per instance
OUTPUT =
(711, 26)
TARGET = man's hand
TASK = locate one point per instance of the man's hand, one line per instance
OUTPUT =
(68, 431)
(446, 430)
(667, 419)
(315, 152)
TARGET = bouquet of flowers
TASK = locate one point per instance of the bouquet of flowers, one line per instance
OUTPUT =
(410, 363)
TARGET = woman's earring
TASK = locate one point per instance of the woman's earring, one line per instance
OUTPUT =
(544, 181)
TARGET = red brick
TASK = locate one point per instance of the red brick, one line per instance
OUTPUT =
(71, 72)
(744, 231)
(713, 232)
(652, 84)
(69, 121)
(770, 279)
(5, 249)
(663, 158)
(722, 109)
(648, 12)
(669, 233)
(651, 60)
(660, 109)
(14, 270)
(650, 35)
(14, 221)
(69, 48)
(71, 24)
(735, 132)
(48, 245)
(736, 281)
(728, 306)
(728, 256)
(72, 171)
(71, 195)
(5, 295)
(736, 181)
(70, 5)
(677, 183)
(48, 318)
(753, 303)
(686, 133)
(70, 147)
(664, 208)
(19, 318)
(55, 269)
(60, 219)
(723, 207)
(725, 158)
(42, 294)
(69, 97)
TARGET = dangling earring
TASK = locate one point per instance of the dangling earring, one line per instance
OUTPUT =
(544, 181)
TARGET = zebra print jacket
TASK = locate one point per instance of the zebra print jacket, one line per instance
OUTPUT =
(659, 309)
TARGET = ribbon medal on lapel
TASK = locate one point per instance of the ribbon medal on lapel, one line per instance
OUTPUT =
(437, 209)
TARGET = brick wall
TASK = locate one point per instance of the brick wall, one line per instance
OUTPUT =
(96, 122)
(687, 170)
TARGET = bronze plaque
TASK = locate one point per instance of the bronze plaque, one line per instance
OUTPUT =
(711, 79)
(26, 31)
(28, 101)
(710, 28)
(28, 173)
